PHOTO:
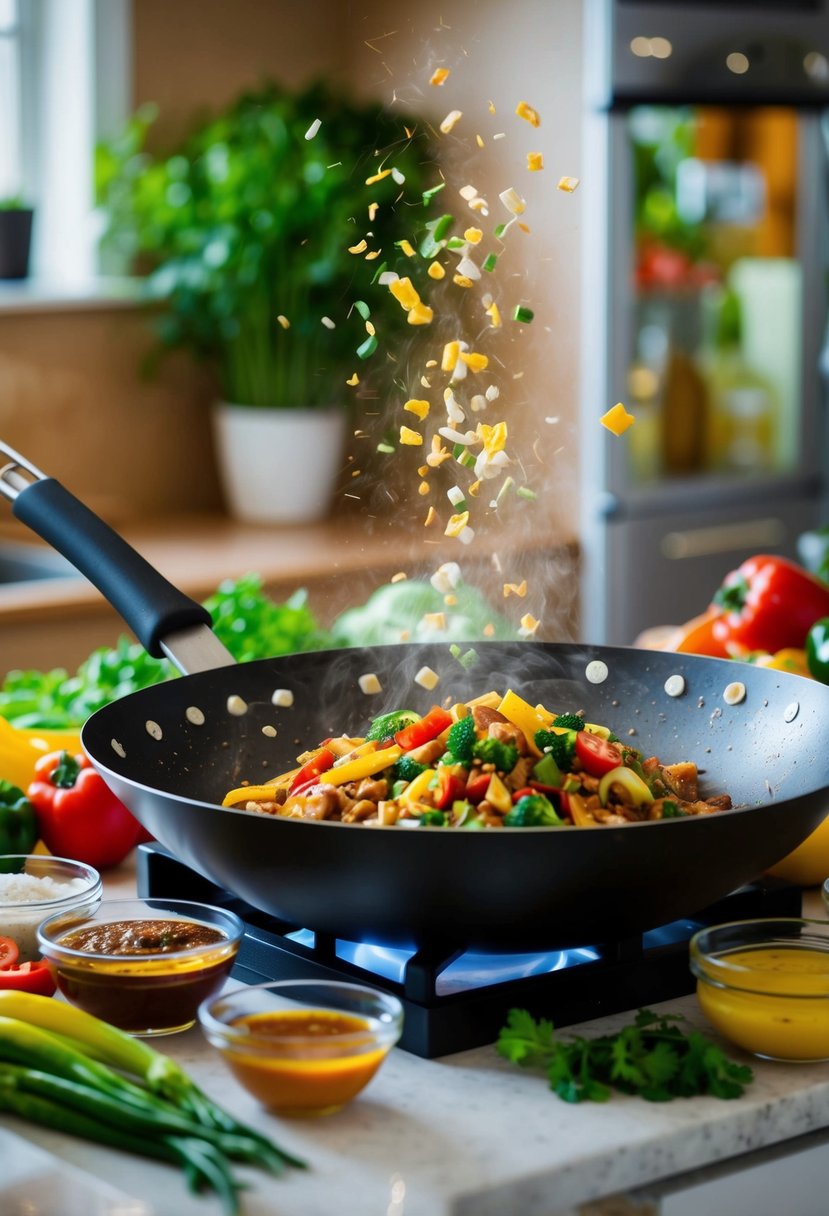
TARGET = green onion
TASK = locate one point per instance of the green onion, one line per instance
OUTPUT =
(367, 348)
(526, 492)
(490, 261)
(523, 314)
(363, 309)
(428, 195)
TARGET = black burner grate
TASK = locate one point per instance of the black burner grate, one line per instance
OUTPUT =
(567, 986)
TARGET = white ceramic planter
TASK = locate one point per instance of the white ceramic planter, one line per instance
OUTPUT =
(279, 465)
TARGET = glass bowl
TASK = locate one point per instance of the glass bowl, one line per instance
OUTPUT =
(764, 984)
(36, 885)
(303, 1047)
(144, 965)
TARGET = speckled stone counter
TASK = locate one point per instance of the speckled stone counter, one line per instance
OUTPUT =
(470, 1134)
(466, 1135)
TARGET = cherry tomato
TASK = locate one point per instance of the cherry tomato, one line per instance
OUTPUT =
(29, 977)
(9, 953)
(596, 756)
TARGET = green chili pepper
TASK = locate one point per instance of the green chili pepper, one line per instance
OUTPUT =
(18, 824)
(817, 650)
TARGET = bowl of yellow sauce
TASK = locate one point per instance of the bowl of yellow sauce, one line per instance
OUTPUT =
(303, 1047)
(764, 984)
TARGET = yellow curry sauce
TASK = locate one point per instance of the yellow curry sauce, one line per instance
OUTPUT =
(777, 1005)
(307, 1072)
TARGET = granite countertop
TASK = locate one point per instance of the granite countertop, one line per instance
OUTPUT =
(462, 1135)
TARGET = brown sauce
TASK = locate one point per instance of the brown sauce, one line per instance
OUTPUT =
(137, 937)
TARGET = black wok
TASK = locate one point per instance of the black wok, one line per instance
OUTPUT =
(508, 889)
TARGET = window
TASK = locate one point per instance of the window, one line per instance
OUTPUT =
(64, 83)
(11, 169)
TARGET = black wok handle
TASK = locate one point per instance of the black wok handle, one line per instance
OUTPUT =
(152, 607)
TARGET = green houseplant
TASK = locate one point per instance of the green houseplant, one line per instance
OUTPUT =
(245, 229)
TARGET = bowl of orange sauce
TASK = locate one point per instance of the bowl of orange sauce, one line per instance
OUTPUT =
(764, 984)
(303, 1047)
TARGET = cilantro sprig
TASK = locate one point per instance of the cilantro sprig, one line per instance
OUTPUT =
(653, 1057)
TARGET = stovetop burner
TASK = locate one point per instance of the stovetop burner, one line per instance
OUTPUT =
(453, 1000)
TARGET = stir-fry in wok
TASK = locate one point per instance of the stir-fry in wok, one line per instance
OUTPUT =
(494, 762)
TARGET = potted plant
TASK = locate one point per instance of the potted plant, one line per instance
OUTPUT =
(15, 237)
(248, 229)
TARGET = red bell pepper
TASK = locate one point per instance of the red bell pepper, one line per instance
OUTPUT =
(451, 785)
(34, 977)
(78, 815)
(311, 769)
(476, 787)
(768, 603)
(425, 729)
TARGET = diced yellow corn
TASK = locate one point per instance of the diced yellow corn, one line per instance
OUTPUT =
(421, 314)
(360, 247)
(435, 620)
(568, 184)
(474, 361)
(404, 292)
(410, 438)
(535, 161)
(407, 248)
(450, 356)
(456, 524)
(473, 235)
(415, 406)
(617, 420)
(519, 589)
(431, 518)
(439, 76)
(423, 489)
(494, 314)
(524, 110)
(529, 624)
(462, 280)
(435, 270)
(355, 379)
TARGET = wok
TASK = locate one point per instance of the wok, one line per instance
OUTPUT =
(501, 890)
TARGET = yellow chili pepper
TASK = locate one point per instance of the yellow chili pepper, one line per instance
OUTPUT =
(363, 766)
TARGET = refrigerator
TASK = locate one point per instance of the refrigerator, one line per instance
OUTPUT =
(704, 298)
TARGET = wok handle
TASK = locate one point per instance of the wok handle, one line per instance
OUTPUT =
(152, 607)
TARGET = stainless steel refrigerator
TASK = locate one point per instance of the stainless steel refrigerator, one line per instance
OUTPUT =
(705, 254)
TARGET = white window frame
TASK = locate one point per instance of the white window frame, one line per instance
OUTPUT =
(76, 88)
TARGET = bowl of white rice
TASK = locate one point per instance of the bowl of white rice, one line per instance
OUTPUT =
(34, 886)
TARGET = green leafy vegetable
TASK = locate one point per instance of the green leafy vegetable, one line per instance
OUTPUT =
(653, 1057)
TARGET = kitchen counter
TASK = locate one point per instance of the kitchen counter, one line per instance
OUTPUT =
(57, 622)
(471, 1134)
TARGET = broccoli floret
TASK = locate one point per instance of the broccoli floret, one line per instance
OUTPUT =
(493, 751)
(670, 810)
(406, 769)
(433, 819)
(571, 721)
(560, 747)
(532, 811)
(461, 739)
(387, 725)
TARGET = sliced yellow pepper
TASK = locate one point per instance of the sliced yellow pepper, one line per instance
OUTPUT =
(788, 659)
(21, 749)
(250, 793)
(363, 766)
(418, 786)
(521, 714)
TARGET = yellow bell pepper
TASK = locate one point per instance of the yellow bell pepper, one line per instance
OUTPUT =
(788, 659)
(21, 749)
(363, 766)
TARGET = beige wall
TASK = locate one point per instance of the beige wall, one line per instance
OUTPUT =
(70, 391)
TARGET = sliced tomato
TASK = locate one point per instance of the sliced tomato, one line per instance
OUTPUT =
(9, 953)
(29, 977)
(596, 756)
(423, 731)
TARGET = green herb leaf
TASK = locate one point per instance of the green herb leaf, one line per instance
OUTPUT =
(653, 1058)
